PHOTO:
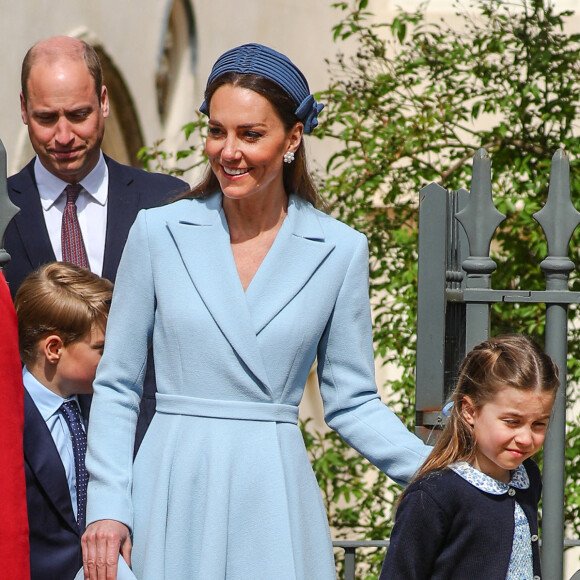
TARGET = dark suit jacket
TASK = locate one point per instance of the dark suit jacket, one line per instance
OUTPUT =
(55, 540)
(28, 243)
(130, 190)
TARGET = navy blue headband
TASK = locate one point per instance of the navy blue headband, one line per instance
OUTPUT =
(266, 62)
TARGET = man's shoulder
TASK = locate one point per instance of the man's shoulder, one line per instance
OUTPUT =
(22, 178)
(119, 171)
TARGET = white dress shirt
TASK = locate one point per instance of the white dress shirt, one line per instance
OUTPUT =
(48, 404)
(91, 209)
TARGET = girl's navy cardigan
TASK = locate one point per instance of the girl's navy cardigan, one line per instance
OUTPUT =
(447, 529)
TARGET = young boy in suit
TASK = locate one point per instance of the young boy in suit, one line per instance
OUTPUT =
(62, 312)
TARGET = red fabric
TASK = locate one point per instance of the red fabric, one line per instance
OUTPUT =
(14, 551)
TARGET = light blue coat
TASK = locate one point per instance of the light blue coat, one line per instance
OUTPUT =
(222, 486)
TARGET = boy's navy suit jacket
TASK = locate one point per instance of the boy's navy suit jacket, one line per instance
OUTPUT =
(55, 539)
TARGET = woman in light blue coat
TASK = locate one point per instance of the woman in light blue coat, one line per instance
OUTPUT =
(239, 288)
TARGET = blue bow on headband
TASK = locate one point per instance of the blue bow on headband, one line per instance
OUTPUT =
(264, 61)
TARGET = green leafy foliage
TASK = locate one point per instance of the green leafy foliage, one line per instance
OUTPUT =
(412, 105)
(155, 158)
(356, 495)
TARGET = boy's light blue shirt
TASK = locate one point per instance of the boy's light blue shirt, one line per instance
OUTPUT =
(48, 404)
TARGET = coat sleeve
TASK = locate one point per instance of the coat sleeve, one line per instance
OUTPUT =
(416, 539)
(118, 384)
(14, 537)
(346, 375)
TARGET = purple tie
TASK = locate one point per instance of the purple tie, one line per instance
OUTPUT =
(73, 247)
(72, 416)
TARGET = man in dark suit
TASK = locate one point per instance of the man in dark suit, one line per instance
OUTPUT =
(64, 104)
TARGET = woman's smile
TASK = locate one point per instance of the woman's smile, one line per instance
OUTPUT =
(232, 172)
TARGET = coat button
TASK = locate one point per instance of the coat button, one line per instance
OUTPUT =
(534, 538)
(537, 578)
(511, 491)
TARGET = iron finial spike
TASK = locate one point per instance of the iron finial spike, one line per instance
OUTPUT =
(7, 209)
(480, 218)
(558, 218)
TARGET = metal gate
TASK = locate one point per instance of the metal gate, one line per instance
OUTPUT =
(7, 209)
(454, 300)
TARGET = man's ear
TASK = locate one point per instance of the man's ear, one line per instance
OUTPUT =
(52, 348)
(23, 112)
(105, 108)
(468, 410)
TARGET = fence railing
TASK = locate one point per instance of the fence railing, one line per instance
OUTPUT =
(7, 209)
(350, 547)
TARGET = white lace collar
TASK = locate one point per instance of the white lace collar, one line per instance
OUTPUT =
(519, 479)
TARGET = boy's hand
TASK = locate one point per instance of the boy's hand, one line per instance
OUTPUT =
(101, 543)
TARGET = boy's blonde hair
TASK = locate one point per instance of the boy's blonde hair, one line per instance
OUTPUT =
(62, 299)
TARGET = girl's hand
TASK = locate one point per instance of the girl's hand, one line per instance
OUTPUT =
(101, 543)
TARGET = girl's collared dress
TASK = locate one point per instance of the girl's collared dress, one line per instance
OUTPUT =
(450, 528)
(521, 560)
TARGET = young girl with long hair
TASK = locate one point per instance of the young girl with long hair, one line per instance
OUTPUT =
(471, 510)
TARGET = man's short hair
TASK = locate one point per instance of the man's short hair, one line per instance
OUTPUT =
(85, 52)
(62, 299)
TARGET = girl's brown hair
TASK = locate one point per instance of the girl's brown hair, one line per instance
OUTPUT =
(62, 299)
(297, 179)
(511, 360)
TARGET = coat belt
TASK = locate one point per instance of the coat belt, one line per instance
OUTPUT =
(220, 409)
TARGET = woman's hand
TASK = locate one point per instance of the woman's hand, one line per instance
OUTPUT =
(101, 543)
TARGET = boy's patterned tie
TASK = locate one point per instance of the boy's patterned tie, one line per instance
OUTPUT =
(73, 247)
(79, 440)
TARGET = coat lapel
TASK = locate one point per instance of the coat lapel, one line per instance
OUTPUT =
(203, 241)
(44, 460)
(122, 208)
(295, 255)
(30, 220)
